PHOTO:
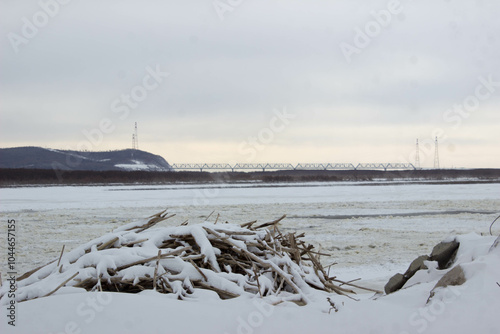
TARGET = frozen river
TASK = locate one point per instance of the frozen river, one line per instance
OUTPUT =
(371, 230)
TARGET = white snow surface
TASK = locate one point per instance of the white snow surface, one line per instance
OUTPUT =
(44, 198)
(469, 308)
(373, 247)
(138, 165)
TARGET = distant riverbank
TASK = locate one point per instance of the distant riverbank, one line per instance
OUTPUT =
(22, 177)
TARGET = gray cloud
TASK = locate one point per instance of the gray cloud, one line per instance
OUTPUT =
(227, 76)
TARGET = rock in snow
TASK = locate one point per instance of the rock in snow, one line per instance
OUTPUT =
(416, 265)
(395, 283)
(454, 277)
(443, 253)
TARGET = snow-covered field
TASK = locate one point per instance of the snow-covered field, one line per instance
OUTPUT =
(371, 231)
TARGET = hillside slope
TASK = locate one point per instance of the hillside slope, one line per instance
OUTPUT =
(42, 158)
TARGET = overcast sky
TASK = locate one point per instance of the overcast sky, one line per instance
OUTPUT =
(255, 81)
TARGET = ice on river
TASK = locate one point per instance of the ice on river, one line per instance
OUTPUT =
(371, 230)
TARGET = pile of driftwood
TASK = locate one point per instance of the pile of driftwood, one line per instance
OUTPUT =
(230, 260)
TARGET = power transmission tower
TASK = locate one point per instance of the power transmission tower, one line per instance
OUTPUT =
(436, 154)
(136, 137)
(417, 157)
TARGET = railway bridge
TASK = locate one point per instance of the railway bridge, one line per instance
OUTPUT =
(285, 166)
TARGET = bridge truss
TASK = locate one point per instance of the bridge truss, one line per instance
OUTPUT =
(284, 166)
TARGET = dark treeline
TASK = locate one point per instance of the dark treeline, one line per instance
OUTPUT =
(14, 177)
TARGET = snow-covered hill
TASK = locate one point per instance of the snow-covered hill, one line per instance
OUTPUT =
(44, 158)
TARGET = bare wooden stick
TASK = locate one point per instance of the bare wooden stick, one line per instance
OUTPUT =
(62, 284)
(356, 286)
(198, 269)
(257, 279)
(353, 280)
(193, 257)
(31, 272)
(316, 253)
(280, 286)
(60, 256)
(166, 285)
(271, 223)
(248, 225)
(317, 264)
(332, 306)
(158, 214)
(270, 249)
(266, 264)
(134, 243)
(153, 221)
(156, 269)
(107, 244)
(211, 213)
(337, 289)
(82, 283)
(222, 293)
(153, 258)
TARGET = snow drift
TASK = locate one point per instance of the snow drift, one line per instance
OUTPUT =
(421, 306)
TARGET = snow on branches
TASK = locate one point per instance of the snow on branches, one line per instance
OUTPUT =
(227, 259)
